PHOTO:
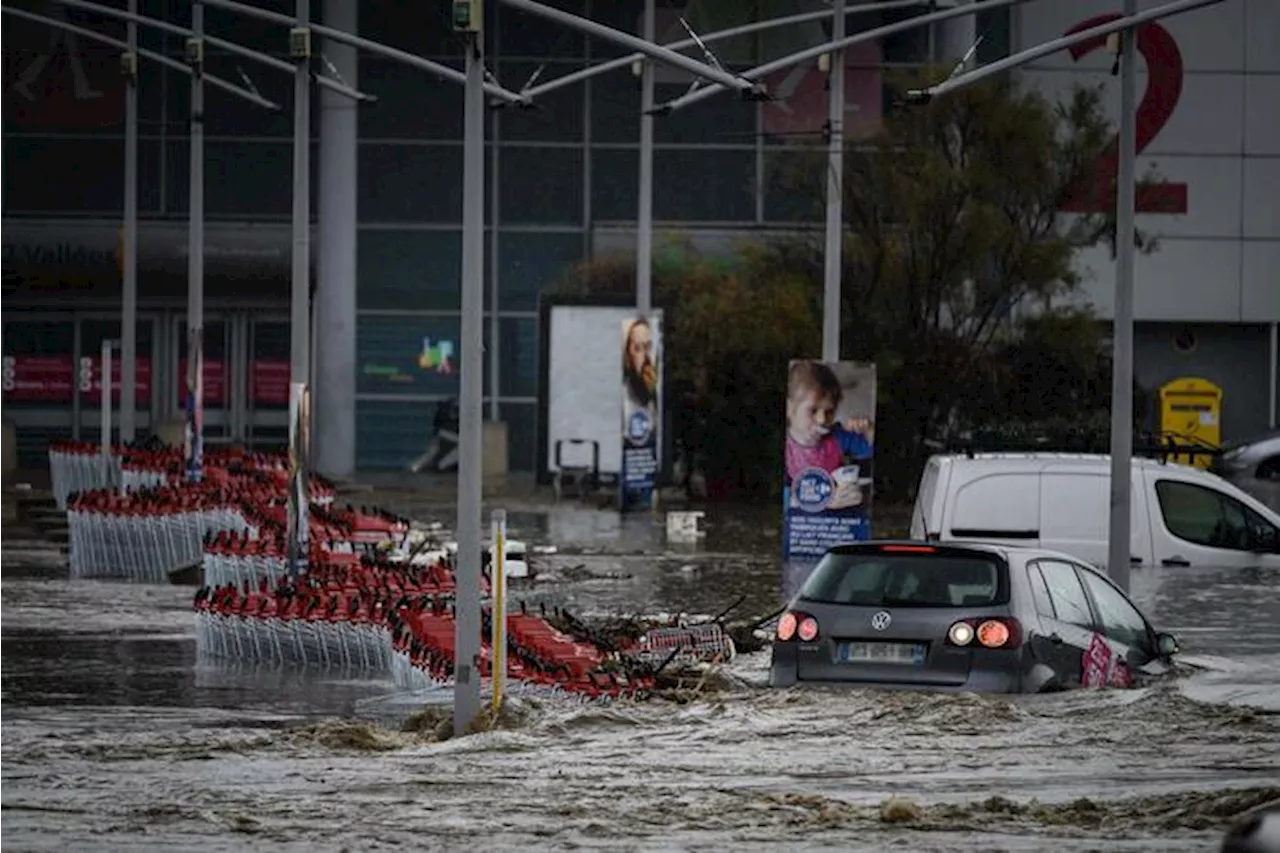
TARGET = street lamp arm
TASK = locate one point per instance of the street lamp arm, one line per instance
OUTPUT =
(225, 85)
(1040, 50)
(718, 35)
(724, 79)
(839, 44)
(364, 44)
(231, 47)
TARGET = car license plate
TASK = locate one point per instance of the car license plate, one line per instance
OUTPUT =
(904, 653)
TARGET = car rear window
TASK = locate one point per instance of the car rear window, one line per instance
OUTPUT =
(875, 579)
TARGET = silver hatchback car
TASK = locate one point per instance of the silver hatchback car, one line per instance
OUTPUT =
(975, 617)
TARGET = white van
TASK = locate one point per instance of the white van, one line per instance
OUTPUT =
(1181, 515)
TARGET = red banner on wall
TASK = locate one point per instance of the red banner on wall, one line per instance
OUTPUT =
(90, 381)
(269, 382)
(38, 378)
(215, 383)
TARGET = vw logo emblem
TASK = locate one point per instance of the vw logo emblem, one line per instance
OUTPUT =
(881, 620)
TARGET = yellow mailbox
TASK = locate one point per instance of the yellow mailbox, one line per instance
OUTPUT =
(1191, 413)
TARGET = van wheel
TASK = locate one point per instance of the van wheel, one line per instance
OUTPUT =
(1269, 469)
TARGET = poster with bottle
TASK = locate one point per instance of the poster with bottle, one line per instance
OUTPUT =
(641, 411)
(830, 448)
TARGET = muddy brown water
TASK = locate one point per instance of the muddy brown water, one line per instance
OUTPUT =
(116, 738)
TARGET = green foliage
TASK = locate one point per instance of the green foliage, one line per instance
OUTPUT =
(954, 255)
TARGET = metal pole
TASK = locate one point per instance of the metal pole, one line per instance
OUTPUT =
(761, 71)
(1031, 54)
(498, 568)
(151, 55)
(709, 38)
(835, 194)
(334, 389)
(374, 47)
(1118, 550)
(1275, 373)
(644, 219)
(195, 250)
(214, 42)
(300, 295)
(466, 697)
(722, 78)
(104, 405)
(129, 243)
(495, 327)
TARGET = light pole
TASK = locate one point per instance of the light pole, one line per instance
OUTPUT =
(469, 19)
(129, 242)
(644, 217)
(195, 251)
(1118, 546)
(832, 254)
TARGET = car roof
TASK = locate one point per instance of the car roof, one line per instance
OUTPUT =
(1084, 460)
(1000, 549)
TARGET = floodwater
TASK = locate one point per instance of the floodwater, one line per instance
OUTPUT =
(116, 737)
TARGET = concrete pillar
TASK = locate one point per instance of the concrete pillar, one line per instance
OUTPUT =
(954, 37)
(335, 300)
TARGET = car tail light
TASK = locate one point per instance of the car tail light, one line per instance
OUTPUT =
(807, 630)
(996, 632)
(960, 634)
(908, 549)
(787, 627)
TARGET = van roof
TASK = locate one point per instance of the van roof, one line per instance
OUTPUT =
(1084, 460)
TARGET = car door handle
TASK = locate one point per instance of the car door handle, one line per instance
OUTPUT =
(1055, 639)
(1135, 561)
(1175, 561)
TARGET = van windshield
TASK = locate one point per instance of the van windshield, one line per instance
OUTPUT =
(911, 580)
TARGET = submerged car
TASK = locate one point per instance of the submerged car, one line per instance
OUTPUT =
(1257, 458)
(971, 616)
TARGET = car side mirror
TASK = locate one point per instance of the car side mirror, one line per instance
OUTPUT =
(1167, 645)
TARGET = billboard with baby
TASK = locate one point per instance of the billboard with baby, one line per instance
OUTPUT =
(830, 440)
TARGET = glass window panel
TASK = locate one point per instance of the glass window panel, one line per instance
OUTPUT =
(615, 107)
(390, 434)
(530, 263)
(691, 184)
(251, 32)
(523, 35)
(407, 355)
(44, 91)
(409, 270)
(792, 190)
(995, 27)
(410, 183)
(226, 114)
(558, 115)
(522, 428)
(540, 185)
(77, 175)
(424, 29)
(1120, 620)
(517, 356)
(622, 15)
(724, 119)
(1069, 600)
(412, 104)
(614, 184)
(243, 180)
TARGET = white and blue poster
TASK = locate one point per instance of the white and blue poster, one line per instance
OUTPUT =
(830, 446)
(641, 412)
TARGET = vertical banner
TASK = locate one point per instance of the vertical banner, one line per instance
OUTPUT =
(195, 404)
(298, 529)
(641, 411)
(830, 437)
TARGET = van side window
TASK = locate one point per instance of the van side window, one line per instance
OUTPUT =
(1069, 601)
(1207, 517)
(1040, 592)
(1120, 620)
